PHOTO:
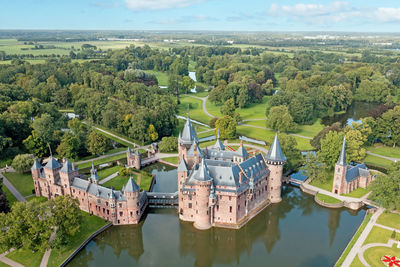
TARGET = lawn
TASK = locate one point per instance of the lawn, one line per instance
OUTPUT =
(378, 235)
(109, 152)
(23, 182)
(10, 197)
(327, 185)
(118, 182)
(145, 180)
(393, 152)
(122, 142)
(108, 171)
(359, 192)
(101, 161)
(89, 225)
(195, 110)
(353, 240)
(390, 219)
(119, 135)
(26, 257)
(253, 111)
(173, 160)
(377, 161)
(309, 130)
(162, 77)
(328, 199)
(373, 255)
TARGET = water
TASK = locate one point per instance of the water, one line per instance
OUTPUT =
(192, 76)
(354, 113)
(166, 178)
(295, 232)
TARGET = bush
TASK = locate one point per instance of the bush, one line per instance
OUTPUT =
(168, 144)
(212, 122)
(22, 162)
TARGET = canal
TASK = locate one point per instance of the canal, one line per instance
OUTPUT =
(295, 232)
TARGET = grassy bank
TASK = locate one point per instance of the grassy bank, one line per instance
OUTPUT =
(328, 199)
(23, 182)
(101, 161)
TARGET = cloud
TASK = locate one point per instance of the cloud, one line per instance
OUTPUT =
(159, 4)
(185, 19)
(386, 14)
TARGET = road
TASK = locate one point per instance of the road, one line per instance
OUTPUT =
(100, 157)
(204, 99)
(12, 189)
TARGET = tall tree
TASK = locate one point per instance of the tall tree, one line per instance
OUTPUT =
(97, 143)
(279, 119)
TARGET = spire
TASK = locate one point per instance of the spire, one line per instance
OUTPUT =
(242, 151)
(67, 167)
(275, 151)
(112, 195)
(182, 165)
(131, 186)
(188, 134)
(36, 165)
(93, 174)
(129, 150)
(203, 173)
(218, 144)
(342, 156)
(52, 164)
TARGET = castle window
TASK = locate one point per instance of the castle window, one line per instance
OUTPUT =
(131, 213)
(137, 212)
(238, 207)
(190, 205)
(230, 209)
(230, 198)
(120, 205)
(73, 190)
(217, 207)
(104, 210)
(190, 197)
(108, 212)
(106, 203)
(137, 204)
(65, 186)
(121, 213)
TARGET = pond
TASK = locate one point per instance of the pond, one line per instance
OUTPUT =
(354, 112)
(295, 232)
(166, 177)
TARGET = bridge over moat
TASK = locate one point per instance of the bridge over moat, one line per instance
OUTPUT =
(159, 199)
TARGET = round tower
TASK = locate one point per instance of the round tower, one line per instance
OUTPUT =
(132, 195)
(275, 161)
(203, 183)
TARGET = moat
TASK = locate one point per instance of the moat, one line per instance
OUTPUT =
(295, 232)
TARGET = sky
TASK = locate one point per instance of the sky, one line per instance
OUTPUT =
(224, 15)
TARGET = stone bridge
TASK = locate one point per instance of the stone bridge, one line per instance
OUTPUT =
(157, 199)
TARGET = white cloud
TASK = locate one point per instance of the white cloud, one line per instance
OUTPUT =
(386, 14)
(306, 10)
(158, 4)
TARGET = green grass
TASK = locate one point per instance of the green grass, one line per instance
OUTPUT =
(389, 219)
(173, 160)
(328, 199)
(309, 130)
(117, 182)
(377, 161)
(26, 257)
(23, 182)
(145, 181)
(327, 185)
(10, 197)
(119, 135)
(162, 77)
(108, 171)
(2, 264)
(122, 142)
(353, 240)
(101, 161)
(393, 152)
(373, 255)
(196, 109)
(378, 235)
(202, 94)
(109, 152)
(359, 192)
(253, 111)
(89, 225)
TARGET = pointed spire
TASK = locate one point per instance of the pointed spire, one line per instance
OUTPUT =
(218, 144)
(203, 173)
(129, 150)
(242, 151)
(93, 174)
(275, 151)
(342, 156)
(131, 186)
(36, 165)
(188, 134)
(182, 165)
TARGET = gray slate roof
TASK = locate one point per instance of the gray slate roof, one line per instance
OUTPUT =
(52, 164)
(182, 165)
(242, 152)
(36, 165)
(131, 186)
(353, 172)
(97, 190)
(342, 156)
(188, 134)
(275, 151)
(67, 167)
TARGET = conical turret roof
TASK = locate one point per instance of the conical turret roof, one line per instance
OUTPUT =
(131, 186)
(67, 167)
(275, 151)
(52, 164)
(342, 156)
(188, 134)
(218, 144)
(242, 151)
(203, 173)
(182, 167)
(36, 165)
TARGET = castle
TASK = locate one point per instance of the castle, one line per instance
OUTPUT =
(223, 188)
(349, 177)
(119, 207)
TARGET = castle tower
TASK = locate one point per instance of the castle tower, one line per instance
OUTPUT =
(113, 207)
(203, 183)
(340, 171)
(51, 170)
(131, 192)
(212, 201)
(94, 178)
(275, 161)
(187, 138)
(242, 154)
(182, 176)
(35, 170)
(67, 174)
(218, 144)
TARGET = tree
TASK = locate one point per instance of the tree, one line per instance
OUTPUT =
(188, 83)
(4, 205)
(330, 148)
(151, 131)
(228, 108)
(316, 141)
(44, 128)
(227, 127)
(35, 145)
(385, 190)
(314, 169)
(96, 143)
(168, 144)
(69, 146)
(290, 150)
(22, 162)
(279, 119)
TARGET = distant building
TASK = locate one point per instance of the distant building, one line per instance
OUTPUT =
(349, 177)
(119, 207)
(223, 188)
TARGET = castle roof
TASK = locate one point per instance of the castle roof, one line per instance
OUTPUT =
(353, 172)
(182, 165)
(93, 174)
(202, 173)
(36, 165)
(218, 144)
(242, 151)
(342, 156)
(275, 151)
(97, 190)
(52, 164)
(67, 167)
(188, 134)
(131, 186)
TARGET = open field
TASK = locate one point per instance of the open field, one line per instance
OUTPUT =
(10, 197)
(162, 77)
(21, 181)
(26, 257)
(108, 171)
(377, 161)
(389, 219)
(118, 182)
(393, 152)
(173, 160)
(327, 185)
(195, 111)
(359, 192)
(89, 225)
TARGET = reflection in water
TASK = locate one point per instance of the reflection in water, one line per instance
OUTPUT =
(295, 232)
(166, 180)
(355, 112)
